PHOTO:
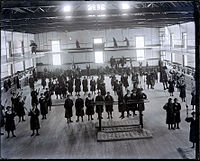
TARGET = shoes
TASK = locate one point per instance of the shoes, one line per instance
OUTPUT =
(178, 127)
(37, 134)
(77, 120)
(92, 119)
(70, 121)
(32, 134)
(108, 117)
(23, 120)
(14, 135)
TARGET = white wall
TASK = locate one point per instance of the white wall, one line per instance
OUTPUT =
(85, 37)
(16, 39)
(177, 30)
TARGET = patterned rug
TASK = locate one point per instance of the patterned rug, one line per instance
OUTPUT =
(123, 133)
(122, 123)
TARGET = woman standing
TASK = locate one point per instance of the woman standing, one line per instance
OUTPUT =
(43, 106)
(89, 103)
(79, 105)
(10, 122)
(170, 114)
(193, 129)
(182, 88)
(92, 85)
(68, 109)
(85, 85)
(109, 105)
(77, 85)
(43, 82)
(177, 117)
(171, 87)
(34, 120)
(20, 108)
(70, 85)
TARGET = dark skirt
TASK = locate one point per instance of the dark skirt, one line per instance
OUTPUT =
(121, 107)
(99, 109)
(182, 93)
(10, 124)
(68, 113)
(34, 123)
(79, 112)
(93, 88)
(170, 119)
(109, 108)
(177, 117)
(90, 110)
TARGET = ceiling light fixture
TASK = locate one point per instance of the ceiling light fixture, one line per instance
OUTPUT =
(125, 6)
(67, 9)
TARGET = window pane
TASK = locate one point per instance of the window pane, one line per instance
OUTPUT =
(139, 42)
(172, 40)
(98, 41)
(140, 54)
(55, 46)
(173, 57)
(98, 57)
(185, 40)
(185, 60)
(56, 59)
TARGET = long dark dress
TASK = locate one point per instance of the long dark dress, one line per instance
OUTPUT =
(193, 129)
(10, 122)
(48, 98)
(79, 105)
(34, 120)
(89, 103)
(92, 85)
(125, 78)
(140, 98)
(121, 104)
(77, 85)
(43, 106)
(34, 99)
(170, 119)
(43, 82)
(134, 98)
(85, 85)
(171, 86)
(103, 89)
(57, 90)
(127, 100)
(14, 101)
(68, 108)
(177, 108)
(182, 91)
(99, 104)
(20, 108)
(109, 103)
(70, 85)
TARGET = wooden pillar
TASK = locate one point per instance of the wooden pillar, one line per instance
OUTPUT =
(197, 61)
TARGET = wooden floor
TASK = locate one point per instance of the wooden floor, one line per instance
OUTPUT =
(78, 140)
